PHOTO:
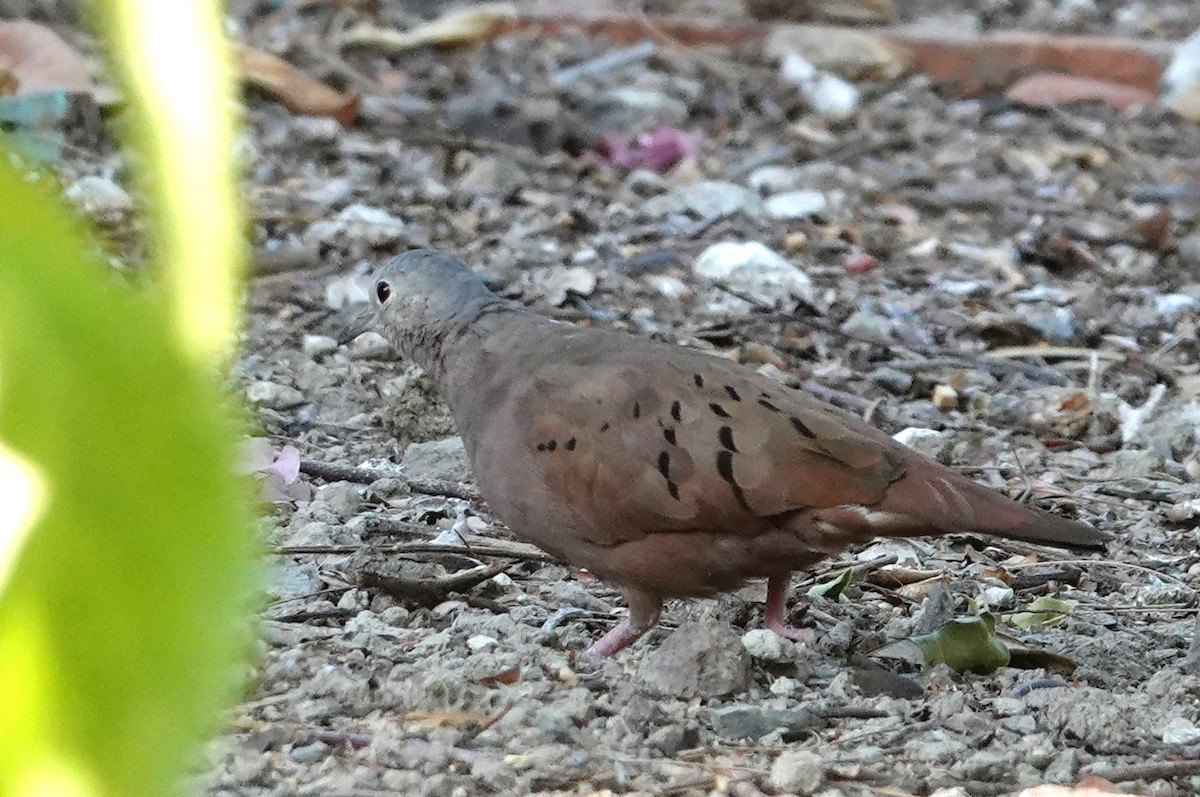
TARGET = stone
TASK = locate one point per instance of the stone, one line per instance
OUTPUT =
(697, 660)
(797, 772)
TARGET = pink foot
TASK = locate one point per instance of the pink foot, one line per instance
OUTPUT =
(615, 640)
(644, 609)
(776, 611)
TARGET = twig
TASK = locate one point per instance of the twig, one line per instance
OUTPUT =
(1105, 563)
(431, 591)
(1055, 353)
(1154, 770)
(616, 59)
(483, 726)
(490, 547)
(344, 473)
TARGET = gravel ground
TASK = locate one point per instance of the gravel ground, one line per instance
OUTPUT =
(1022, 286)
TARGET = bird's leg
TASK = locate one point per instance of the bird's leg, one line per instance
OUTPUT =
(776, 610)
(644, 608)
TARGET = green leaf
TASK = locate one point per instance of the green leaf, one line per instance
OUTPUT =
(965, 644)
(124, 619)
(1043, 611)
(832, 589)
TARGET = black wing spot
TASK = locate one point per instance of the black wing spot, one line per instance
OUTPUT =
(733, 394)
(699, 380)
(553, 444)
(664, 464)
(718, 410)
(637, 410)
(669, 434)
(799, 426)
(725, 435)
(676, 411)
(605, 427)
(725, 469)
(571, 444)
(541, 446)
(673, 489)
(768, 405)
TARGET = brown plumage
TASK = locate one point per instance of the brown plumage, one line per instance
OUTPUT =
(664, 470)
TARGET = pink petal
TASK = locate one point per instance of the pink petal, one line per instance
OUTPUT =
(287, 464)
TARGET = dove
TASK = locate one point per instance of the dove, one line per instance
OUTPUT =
(666, 471)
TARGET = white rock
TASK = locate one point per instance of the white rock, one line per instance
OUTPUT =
(481, 642)
(827, 94)
(797, 772)
(319, 345)
(273, 395)
(557, 282)
(795, 205)
(1183, 511)
(999, 597)
(343, 498)
(370, 225)
(707, 199)
(766, 645)
(1180, 731)
(775, 179)
(99, 197)
(753, 270)
(670, 287)
(785, 687)
(347, 290)
(370, 346)
(929, 442)
(1170, 305)
(317, 129)
(1180, 84)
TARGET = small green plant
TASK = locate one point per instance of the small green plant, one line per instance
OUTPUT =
(127, 553)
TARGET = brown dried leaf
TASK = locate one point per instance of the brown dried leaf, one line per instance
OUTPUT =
(455, 28)
(297, 91)
(442, 719)
(503, 678)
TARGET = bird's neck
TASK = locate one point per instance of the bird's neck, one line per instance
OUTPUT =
(474, 363)
(458, 353)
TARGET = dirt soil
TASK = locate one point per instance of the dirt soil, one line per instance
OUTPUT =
(1036, 271)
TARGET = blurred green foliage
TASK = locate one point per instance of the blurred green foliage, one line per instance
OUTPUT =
(125, 599)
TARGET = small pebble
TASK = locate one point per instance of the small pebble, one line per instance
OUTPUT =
(1179, 730)
(785, 687)
(999, 597)
(370, 346)
(795, 205)
(309, 753)
(827, 94)
(319, 345)
(945, 398)
(860, 263)
(766, 645)
(753, 270)
(795, 242)
(480, 642)
(273, 395)
(797, 772)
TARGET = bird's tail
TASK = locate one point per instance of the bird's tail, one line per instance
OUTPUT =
(932, 496)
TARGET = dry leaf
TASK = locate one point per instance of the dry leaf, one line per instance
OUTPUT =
(296, 90)
(40, 60)
(503, 678)
(442, 719)
(454, 29)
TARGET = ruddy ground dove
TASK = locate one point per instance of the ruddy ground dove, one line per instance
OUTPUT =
(664, 470)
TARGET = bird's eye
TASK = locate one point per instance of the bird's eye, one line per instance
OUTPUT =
(383, 291)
